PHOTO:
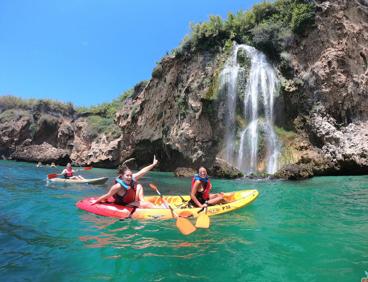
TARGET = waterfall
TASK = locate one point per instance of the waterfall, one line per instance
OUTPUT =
(257, 83)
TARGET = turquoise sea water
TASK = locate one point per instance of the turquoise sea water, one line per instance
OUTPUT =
(313, 230)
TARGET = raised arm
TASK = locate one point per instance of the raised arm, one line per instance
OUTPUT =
(146, 169)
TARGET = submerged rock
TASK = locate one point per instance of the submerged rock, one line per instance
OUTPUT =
(223, 169)
(184, 172)
(295, 172)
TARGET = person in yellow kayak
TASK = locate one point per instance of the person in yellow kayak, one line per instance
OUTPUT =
(126, 190)
(68, 173)
(200, 195)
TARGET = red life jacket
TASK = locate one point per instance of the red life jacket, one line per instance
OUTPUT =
(69, 172)
(129, 195)
(207, 186)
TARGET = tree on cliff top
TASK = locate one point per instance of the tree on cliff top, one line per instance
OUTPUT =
(269, 27)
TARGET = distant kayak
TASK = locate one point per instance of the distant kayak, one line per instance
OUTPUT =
(100, 180)
(235, 200)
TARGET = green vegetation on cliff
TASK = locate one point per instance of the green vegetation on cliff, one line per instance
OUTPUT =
(100, 118)
(270, 27)
(42, 105)
(106, 110)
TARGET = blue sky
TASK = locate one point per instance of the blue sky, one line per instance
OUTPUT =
(89, 52)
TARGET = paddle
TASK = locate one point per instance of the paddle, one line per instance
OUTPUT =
(54, 175)
(183, 224)
(184, 202)
(128, 160)
(203, 220)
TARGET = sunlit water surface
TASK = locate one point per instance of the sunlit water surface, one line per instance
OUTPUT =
(313, 230)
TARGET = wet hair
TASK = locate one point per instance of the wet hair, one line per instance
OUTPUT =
(202, 167)
(122, 169)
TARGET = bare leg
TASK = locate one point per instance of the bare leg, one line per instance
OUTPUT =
(147, 205)
(141, 202)
(216, 199)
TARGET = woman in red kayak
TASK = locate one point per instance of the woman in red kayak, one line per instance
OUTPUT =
(127, 191)
(200, 193)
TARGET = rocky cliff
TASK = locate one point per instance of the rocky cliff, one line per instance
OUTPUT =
(326, 99)
(47, 131)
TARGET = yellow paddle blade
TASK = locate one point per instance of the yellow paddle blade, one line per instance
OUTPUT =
(185, 226)
(203, 221)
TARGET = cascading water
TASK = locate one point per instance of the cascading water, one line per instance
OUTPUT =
(257, 137)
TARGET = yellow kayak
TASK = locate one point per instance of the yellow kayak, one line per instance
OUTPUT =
(234, 201)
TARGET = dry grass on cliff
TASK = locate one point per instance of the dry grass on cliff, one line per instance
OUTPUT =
(43, 105)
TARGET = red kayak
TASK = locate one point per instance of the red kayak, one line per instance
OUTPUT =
(105, 209)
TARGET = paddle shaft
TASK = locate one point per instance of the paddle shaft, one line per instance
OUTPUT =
(167, 204)
(183, 224)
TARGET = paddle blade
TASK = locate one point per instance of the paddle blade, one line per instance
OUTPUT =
(87, 168)
(52, 175)
(153, 187)
(185, 226)
(203, 221)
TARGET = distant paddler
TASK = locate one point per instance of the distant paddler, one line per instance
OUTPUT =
(68, 173)
(39, 164)
(52, 164)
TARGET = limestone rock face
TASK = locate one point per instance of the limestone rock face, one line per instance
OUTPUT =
(44, 134)
(65, 135)
(329, 108)
(98, 151)
(331, 61)
(14, 132)
(44, 153)
(345, 148)
(169, 117)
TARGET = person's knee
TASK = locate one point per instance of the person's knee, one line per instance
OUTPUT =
(146, 205)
